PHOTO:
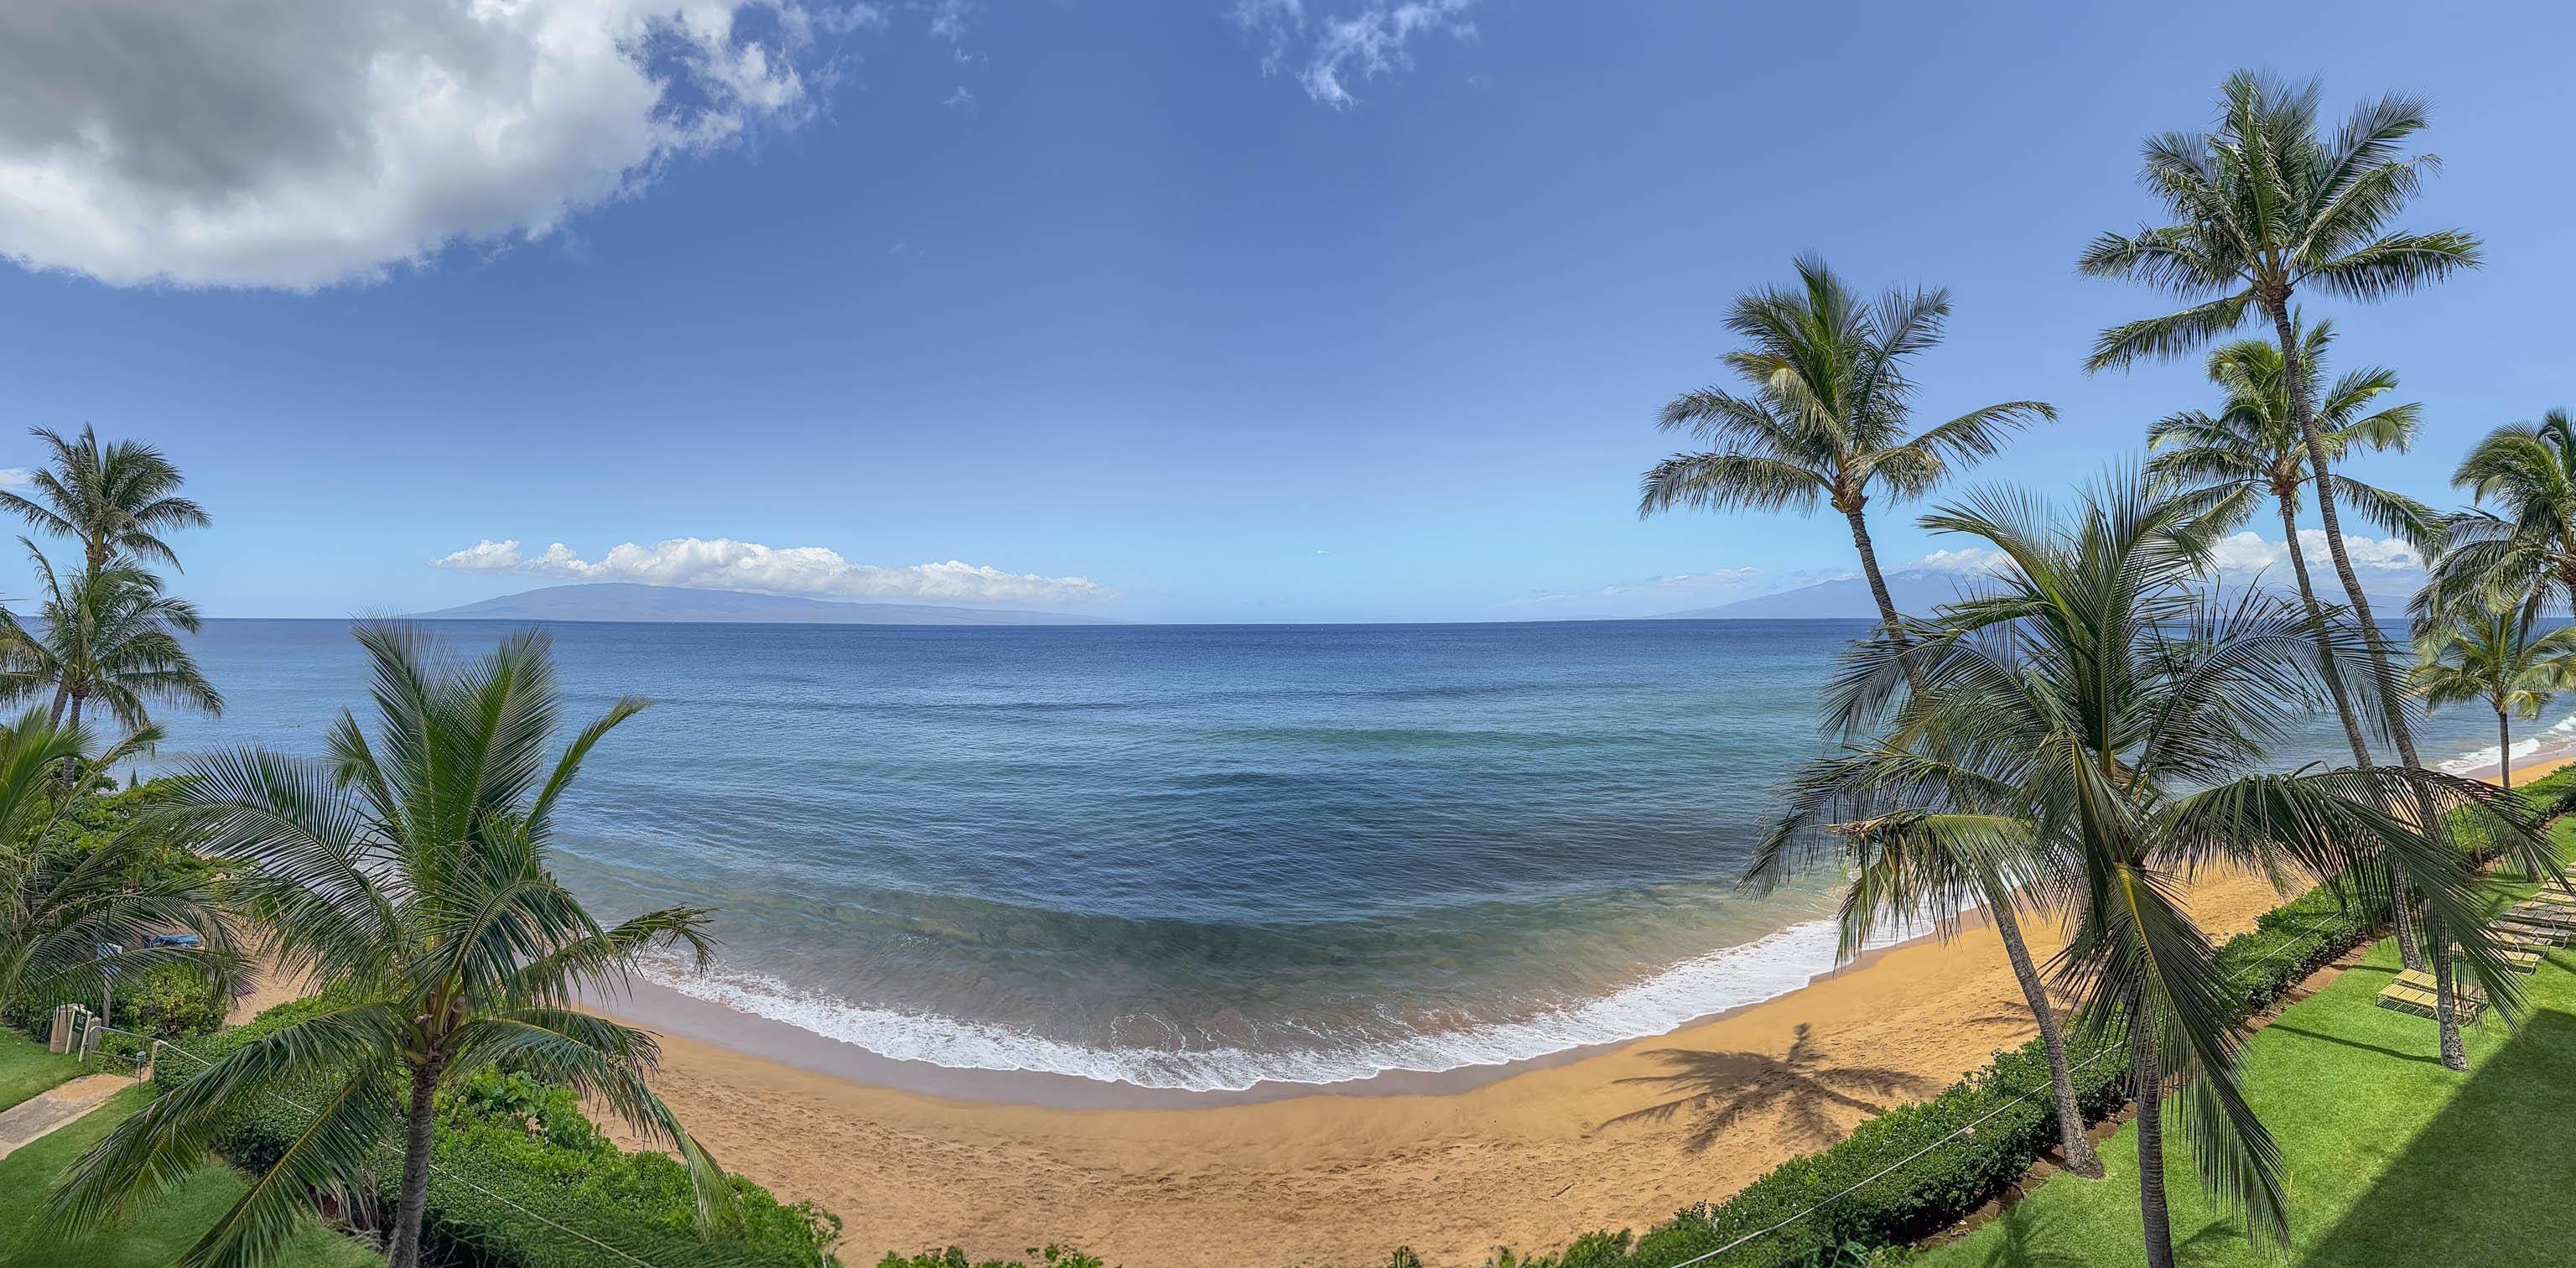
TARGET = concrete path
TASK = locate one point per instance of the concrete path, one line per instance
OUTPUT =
(33, 1119)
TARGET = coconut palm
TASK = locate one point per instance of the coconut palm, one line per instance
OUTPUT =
(405, 876)
(116, 498)
(2491, 658)
(108, 635)
(1824, 417)
(2252, 451)
(2264, 207)
(2107, 706)
(1919, 865)
(60, 903)
(2526, 556)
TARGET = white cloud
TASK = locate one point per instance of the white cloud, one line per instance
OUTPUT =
(2251, 552)
(1965, 561)
(962, 100)
(809, 571)
(1325, 53)
(1685, 583)
(277, 143)
(16, 477)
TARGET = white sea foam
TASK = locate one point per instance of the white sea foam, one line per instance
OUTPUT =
(2554, 740)
(1728, 978)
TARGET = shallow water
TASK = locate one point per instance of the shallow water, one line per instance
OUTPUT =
(1181, 857)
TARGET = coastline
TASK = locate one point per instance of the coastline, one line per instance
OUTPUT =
(1454, 1165)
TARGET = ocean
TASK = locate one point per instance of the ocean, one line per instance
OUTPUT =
(1184, 857)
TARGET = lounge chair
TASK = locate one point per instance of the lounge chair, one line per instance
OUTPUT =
(2413, 992)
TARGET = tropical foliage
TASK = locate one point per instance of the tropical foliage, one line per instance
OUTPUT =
(2495, 659)
(114, 499)
(405, 877)
(2522, 556)
(1825, 415)
(77, 907)
(108, 635)
(2105, 716)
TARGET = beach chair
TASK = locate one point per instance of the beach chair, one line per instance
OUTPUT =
(2554, 897)
(2517, 939)
(2413, 992)
(2542, 914)
(2542, 932)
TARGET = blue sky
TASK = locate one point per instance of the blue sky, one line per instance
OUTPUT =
(1126, 293)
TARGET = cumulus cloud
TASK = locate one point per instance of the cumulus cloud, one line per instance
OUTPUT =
(2386, 556)
(16, 477)
(808, 571)
(1965, 561)
(277, 143)
(1685, 583)
(1325, 53)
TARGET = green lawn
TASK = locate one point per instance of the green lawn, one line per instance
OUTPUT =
(159, 1232)
(2393, 1160)
(26, 1068)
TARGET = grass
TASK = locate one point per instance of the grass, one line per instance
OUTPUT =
(160, 1231)
(26, 1068)
(2392, 1159)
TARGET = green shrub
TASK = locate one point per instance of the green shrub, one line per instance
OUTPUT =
(1041, 1257)
(525, 1180)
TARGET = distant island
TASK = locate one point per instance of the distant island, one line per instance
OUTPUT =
(628, 601)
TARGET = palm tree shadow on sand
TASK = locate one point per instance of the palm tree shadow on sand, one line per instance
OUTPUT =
(1715, 1091)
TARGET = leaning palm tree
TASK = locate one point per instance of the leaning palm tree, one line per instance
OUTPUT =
(107, 635)
(61, 901)
(404, 876)
(2264, 207)
(116, 498)
(2524, 557)
(2107, 705)
(1825, 416)
(2492, 658)
(2252, 451)
(1947, 851)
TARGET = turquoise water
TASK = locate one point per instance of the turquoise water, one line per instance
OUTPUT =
(1181, 857)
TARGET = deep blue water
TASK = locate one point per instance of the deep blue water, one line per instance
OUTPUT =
(1178, 856)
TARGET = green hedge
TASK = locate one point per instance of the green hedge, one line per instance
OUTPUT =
(519, 1164)
(1955, 1174)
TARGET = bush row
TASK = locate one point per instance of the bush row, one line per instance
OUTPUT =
(519, 1164)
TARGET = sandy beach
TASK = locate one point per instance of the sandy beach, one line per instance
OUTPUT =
(1618, 1138)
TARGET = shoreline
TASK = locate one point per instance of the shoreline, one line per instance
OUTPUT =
(1528, 1155)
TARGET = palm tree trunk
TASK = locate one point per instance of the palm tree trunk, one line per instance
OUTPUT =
(1889, 619)
(62, 697)
(2504, 750)
(414, 1201)
(2446, 1013)
(2408, 953)
(2077, 1151)
(2304, 410)
(2147, 1070)
(76, 710)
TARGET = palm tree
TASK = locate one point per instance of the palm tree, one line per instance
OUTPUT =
(1913, 866)
(2262, 207)
(109, 635)
(59, 903)
(405, 876)
(2107, 706)
(2492, 658)
(1825, 417)
(2525, 557)
(114, 499)
(2252, 450)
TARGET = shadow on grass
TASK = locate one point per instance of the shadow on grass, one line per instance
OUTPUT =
(2483, 1182)
(2419, 1058)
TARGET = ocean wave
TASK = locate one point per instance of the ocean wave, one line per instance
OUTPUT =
(1729, 978)
(2555, 740)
